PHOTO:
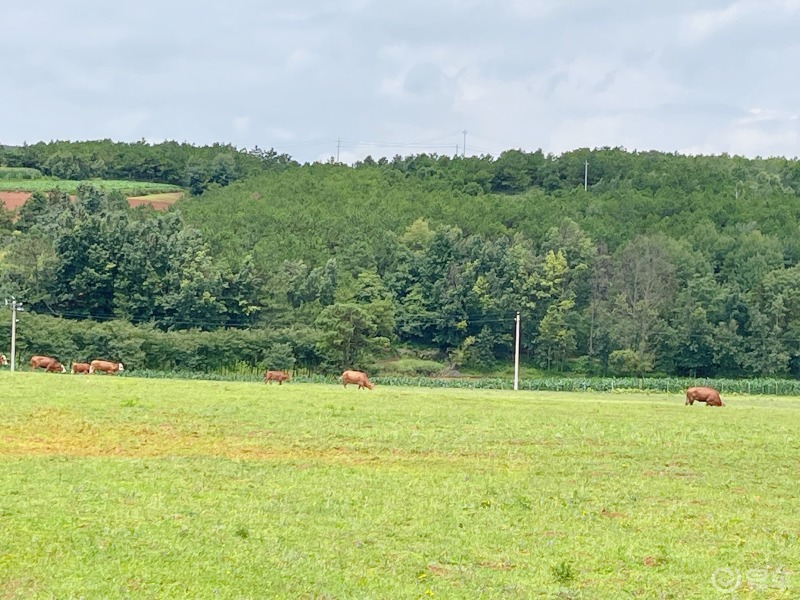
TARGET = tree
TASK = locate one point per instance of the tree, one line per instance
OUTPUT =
(223, 170)
(347, 334)
(643, 283)
(556, 338)
(32, 212)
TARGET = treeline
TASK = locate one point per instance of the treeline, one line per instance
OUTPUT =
(194, 167)
(95, 258)
(663, 264)
(146, 347)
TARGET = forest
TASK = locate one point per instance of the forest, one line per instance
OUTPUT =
(619, 262)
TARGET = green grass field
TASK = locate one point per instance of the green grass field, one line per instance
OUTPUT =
(131, 188)
(134, 488)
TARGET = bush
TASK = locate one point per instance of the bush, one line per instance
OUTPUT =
(413, 366)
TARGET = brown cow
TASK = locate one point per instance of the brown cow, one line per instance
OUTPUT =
(279, 376)
(703, 394)
(358, 377)
(105, 366)
(3, 359)
(48, 363)
(80, 368)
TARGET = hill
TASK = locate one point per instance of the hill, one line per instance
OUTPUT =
(619, 262)
(317, 208)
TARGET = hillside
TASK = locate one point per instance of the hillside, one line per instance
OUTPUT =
(662, 263)
(318, 208)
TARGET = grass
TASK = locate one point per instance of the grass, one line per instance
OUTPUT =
(130, 188)
(125, 487)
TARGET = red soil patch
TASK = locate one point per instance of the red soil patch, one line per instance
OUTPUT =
(14, 200)
(156, 205)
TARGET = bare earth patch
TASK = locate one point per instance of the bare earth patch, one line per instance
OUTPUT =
(157, 201)
(14, 200)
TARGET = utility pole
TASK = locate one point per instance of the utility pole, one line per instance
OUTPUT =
(516, 357)
(338, 145)
(15, 306)
(464, 152)
(585, 175)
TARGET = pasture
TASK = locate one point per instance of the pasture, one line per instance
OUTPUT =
(122, 487)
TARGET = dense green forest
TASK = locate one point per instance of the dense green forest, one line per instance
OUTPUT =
(195, 167)
(656, 263)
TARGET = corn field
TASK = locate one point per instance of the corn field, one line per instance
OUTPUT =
(669, 385)
(24, 173)
(129, 188)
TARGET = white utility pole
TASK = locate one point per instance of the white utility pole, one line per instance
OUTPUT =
(585, 175)
(516, 357)
(15, 306)
(464, 150)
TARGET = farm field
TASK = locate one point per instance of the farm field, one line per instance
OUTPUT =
(15, 192)
(117, 487)
(157, 201)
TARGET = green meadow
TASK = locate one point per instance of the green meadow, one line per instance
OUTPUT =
(117, 487)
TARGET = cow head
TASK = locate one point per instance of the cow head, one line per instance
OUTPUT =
(63, 369)
(120, 367)
(3, 359)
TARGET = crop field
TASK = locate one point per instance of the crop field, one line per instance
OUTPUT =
(157, 201)
(15, 192)
(126, 187)
(115, 487)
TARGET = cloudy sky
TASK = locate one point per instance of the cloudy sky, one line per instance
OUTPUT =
(365, 77)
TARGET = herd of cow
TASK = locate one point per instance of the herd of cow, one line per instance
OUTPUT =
(51, 365)
(694, 394)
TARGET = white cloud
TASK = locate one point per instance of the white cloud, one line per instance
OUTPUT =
(514, 73)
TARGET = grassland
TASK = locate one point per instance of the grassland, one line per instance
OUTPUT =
(124, 487)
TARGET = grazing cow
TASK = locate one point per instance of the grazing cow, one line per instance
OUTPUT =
(48, 363)
(80, 368)
(3, 359)
(279, 376)
(703, 394)
(358, 377)
(105, 366)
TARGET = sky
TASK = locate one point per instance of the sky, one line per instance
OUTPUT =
(322, 79)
